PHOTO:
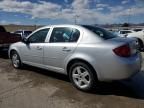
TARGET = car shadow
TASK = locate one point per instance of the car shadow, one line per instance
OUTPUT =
(132, 87)
(46, 73)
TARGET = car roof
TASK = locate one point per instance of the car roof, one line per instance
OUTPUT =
(19, 30)
(62, 25)
(87, 35)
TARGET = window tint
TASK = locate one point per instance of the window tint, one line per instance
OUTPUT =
(39, 36)
(64, 34)
(75, 35)
(100, 32)
(125, 32)
(138, 30)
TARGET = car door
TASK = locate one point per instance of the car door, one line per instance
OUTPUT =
(62, 44)
(32, 51)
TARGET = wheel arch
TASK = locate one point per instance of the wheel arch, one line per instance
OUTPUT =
(140, 40)
(72, 61)
(141, 44)
(11, 50)
(138, 37)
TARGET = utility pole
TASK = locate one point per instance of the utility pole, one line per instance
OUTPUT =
(76, 17)
(35, 24)
(129, 15)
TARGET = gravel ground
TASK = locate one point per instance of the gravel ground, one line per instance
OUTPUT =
(37, 88)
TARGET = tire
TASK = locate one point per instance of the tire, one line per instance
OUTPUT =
(15, 58)
(82, 76)
(141, 47)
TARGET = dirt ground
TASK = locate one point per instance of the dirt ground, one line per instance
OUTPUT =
(37, 88)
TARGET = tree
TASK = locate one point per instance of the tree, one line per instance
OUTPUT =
(125, 25)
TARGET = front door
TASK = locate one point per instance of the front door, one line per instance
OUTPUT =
(32, 51)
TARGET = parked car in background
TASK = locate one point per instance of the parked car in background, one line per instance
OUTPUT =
(123, 33)
(140, 36)
(23, 33)
(7, 38)
(86, 54)
(138, 29)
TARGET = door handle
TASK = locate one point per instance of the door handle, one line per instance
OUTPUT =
(39, 48)
(66, 49)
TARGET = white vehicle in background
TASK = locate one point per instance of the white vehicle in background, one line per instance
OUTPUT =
(140, 36)
(123, 33)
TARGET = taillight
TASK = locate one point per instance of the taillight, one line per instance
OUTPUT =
(123, 51)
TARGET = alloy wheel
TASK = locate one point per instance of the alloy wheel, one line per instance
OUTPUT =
(15, 60)
(81, 77)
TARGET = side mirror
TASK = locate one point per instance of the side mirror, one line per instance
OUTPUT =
(25, 40)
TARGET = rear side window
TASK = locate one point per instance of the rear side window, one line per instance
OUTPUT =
(64, 34)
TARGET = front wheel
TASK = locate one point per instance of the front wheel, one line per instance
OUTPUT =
(16, 62)
(82, 76)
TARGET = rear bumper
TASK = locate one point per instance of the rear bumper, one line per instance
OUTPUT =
(122, 68)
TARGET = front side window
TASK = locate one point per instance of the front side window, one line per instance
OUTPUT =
(39, 36)
(64, 34)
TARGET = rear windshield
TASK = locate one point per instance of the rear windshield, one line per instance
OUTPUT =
(101, 32)
(136, 30)
(18, 32)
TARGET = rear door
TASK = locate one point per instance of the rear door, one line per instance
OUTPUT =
(62, 44)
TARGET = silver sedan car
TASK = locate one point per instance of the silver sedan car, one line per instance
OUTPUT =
(85, 53)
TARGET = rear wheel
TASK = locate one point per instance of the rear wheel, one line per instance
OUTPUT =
(16, 62)
(141, 46)
(82, 76)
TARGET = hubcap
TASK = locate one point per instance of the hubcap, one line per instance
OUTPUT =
(81, 77)
(15, 60)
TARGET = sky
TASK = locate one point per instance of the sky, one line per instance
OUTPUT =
(44, 12)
